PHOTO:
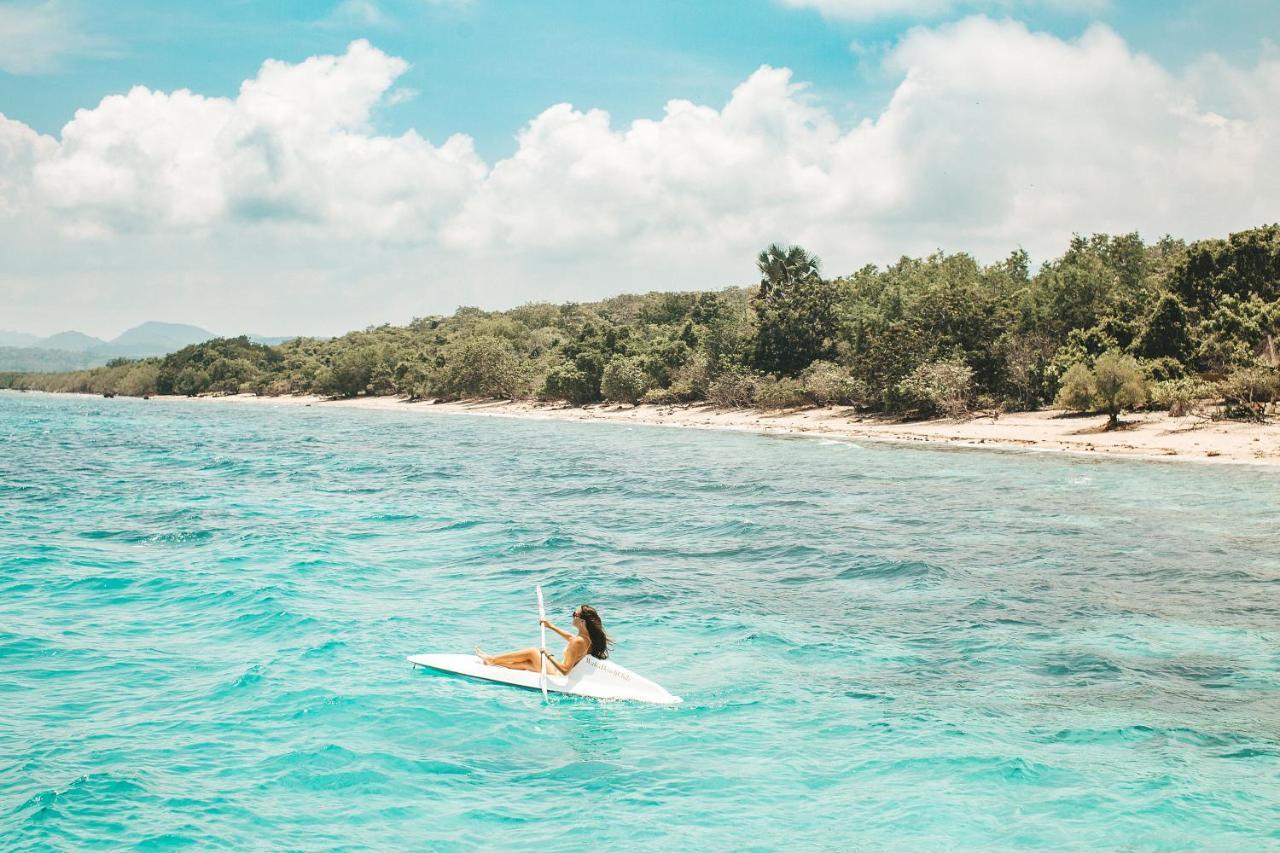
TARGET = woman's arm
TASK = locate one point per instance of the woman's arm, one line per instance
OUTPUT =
(564, 635)
(551, 658)
(573, 653)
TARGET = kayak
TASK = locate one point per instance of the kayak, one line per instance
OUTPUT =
(592, 677)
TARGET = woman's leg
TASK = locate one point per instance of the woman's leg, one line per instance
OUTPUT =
(527, 659)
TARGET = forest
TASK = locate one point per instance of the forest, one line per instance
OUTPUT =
(1113, 324)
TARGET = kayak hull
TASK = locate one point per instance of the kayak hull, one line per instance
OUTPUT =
(593, 678)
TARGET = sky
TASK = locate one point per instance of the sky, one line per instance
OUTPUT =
(314, 167)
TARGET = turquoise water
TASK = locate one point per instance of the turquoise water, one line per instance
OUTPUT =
(204, 613)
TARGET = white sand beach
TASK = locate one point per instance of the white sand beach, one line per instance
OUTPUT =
(1143, 435)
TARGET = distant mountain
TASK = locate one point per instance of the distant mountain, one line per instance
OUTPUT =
(152, 338)
(36, 360)
(76, 351)
(17, 339)
(70, 342)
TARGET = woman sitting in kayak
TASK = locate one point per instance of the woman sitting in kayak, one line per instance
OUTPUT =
(590, 640)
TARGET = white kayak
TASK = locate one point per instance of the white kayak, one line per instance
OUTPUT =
(594, 678)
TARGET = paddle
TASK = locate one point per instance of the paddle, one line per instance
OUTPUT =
(542, 615)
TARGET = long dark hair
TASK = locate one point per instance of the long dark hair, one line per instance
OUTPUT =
(600, 641)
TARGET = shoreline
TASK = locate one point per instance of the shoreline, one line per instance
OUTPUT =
(1152, 436)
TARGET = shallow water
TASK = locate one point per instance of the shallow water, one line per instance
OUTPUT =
(204, 613)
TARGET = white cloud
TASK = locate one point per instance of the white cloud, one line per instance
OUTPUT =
(861, 10)
(36, 36)
(995, 137)
(21, 148)
(295, 147)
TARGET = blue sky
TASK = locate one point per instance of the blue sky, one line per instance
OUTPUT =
(304, 167)
(484, 67)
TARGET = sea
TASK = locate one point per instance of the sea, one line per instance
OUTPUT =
(205, 613)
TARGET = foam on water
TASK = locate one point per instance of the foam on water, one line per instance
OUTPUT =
(204, 613)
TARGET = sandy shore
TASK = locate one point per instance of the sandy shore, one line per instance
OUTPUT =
(1143, 436)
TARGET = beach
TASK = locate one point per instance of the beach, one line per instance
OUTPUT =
(1143, 435)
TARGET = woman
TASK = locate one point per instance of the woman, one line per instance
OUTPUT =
(590, 640)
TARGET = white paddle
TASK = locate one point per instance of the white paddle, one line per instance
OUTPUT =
(542, 615)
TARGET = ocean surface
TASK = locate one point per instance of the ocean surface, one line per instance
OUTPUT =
(205, 611)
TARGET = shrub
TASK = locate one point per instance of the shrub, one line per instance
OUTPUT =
(1181, 396)
(1118, 384)
(190, 381)
(678, 392)
(349, 373)
(690, 380)
(733, 389)
(482, 366)
(780, 393)
(140, 380)
(226, 375)
(275, 388)
(624, 380)
(827, 383)
(1077, 390)
(659, 397)
(414, 379)
(937, 386)
(1162, 369)
(1247, 389)
(566, 382)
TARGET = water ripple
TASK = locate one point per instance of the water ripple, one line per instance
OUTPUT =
(204, 612)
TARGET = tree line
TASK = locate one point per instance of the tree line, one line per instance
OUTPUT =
(1114, 323)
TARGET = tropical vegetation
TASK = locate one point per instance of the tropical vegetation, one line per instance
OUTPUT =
(1113, 324)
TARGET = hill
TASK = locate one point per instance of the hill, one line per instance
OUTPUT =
(70, 342)
(153, 338)
(37, 360)
(17, 339)
(73, 350)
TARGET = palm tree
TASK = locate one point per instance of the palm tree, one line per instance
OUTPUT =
(795, 316)
(785, 265)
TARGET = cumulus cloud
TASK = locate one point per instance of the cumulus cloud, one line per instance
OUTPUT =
(294, 146)
(996, 136)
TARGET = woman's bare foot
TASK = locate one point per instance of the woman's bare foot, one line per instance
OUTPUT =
(484, 658)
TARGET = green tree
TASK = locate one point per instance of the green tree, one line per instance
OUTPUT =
(1118, 384)
(349, 373)
(565, 381)
(1244, 265)
(1077, 390)
(226, 375)
(795, 311)
(1235, 331)
(1166, 333)
(190, 381)
(483, 366)
(625, 380)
